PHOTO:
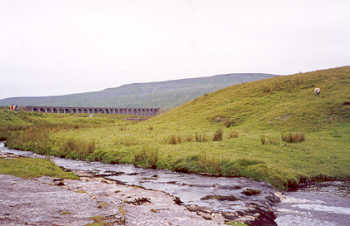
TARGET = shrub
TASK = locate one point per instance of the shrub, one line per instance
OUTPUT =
(274, 141)
(179, 140)
(174, 140)
(4, 134)
(272, 86)
(211, 164)
(233, 134)
(228, 123)
(201, 138)
(189, 138)
(293, 137)
(268, 140)
(77, 149)
(31, 139)
(218, 135)
(147, 157)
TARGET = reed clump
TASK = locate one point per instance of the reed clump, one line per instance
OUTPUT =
(147, 157)
(200, 137)
(173, 139)
(293, 137)
(233, 134)
(218, 135)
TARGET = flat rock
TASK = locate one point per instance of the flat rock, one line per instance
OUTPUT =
(40, 202)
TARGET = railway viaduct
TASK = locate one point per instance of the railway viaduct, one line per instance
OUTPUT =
(90, 110)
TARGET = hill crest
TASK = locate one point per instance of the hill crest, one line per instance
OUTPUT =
(164, 94)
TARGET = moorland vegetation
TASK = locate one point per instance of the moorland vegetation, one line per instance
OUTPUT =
(275, 130)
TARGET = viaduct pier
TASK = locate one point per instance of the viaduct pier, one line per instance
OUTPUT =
(91, 110)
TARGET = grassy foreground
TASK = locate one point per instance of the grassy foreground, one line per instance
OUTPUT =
(30, 168)
(275, 130)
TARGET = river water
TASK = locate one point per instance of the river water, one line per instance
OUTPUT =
(326, 203)
(256, 203)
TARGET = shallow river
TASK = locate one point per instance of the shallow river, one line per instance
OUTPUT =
(236, 198)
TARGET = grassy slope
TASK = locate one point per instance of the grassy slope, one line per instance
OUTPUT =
(29, 168)
(267, 107)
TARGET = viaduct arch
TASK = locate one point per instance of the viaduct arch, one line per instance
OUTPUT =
(91, 110)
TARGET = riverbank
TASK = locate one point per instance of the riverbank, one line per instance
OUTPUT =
(284, 165)
(90, 200)
(216, 205)
(215, 200)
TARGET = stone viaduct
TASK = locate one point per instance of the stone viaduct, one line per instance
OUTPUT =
(90, 110)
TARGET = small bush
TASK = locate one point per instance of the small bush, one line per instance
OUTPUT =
(229, 123)
(147, 157)
(233, 134)
(272, 86)
(210, 163)
(4, 134)
(201, 138)
(31, 139)
(293, 137)
(77, 149)
(274, 141)
(174, 140)
(268, 140)
(218, 135)
(189, 139)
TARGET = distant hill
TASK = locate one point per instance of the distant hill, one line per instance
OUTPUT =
(165, 94)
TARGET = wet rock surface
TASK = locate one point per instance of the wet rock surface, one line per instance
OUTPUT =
(139, 206)
(40, 202)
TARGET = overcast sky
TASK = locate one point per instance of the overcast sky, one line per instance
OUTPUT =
(52, 47)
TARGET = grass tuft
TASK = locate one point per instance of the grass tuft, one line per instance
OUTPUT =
(77, 149)
(233, 134)
(147, 157)
(293, 137)
(218, 136)
(200, 137)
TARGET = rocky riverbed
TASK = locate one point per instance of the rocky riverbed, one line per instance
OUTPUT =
(123, 194)
(213, 200)
(44, 201)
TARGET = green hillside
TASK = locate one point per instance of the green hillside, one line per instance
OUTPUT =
(165, 94)
(275, 130)
(281, 103)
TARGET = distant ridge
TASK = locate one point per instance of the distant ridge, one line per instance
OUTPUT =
(165, 94)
